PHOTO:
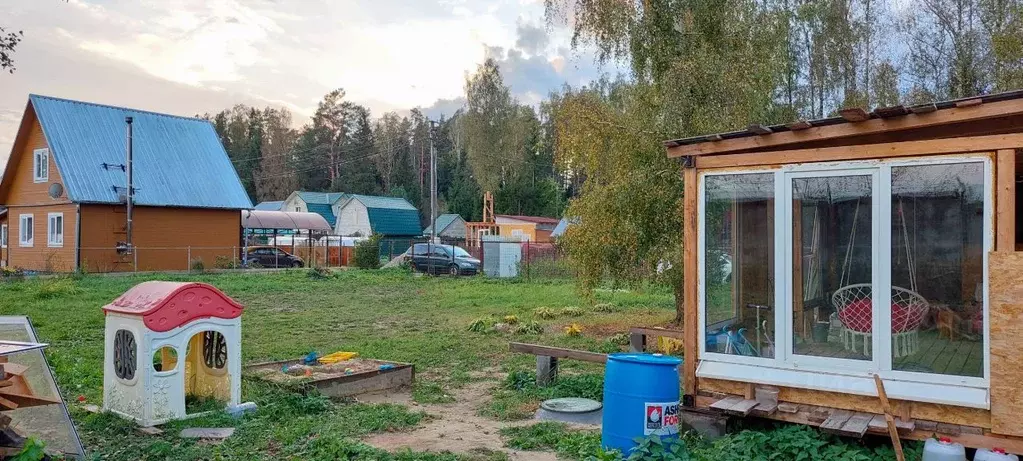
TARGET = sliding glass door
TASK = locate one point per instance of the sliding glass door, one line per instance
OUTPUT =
(831, 253)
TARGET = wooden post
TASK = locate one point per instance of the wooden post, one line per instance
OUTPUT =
(892, 430)
(690, 274)
(1005, 200)
(546, 370)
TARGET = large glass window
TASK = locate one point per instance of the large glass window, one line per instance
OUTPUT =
(832, 308)
(739, 264)
(937, 269)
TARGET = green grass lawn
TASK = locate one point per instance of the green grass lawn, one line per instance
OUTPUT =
(389, 315)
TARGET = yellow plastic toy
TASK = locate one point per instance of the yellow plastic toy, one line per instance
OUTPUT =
(338, 357)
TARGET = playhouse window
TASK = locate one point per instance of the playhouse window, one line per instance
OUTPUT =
(917, 232)
(125, 355)
(165, 359)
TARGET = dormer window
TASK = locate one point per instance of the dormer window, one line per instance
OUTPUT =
(41, 165)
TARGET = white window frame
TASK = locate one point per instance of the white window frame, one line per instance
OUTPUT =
(834, 374)
(4, 230)
(22, 241)
(54, 240)
(41, 165)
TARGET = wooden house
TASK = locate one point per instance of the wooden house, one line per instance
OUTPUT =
(823, 253)
(450, 226)
(321, 203)
(64, 188)
(526, 228)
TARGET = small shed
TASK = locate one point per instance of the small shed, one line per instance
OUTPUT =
(526, 228)
(165, 342)
(821, 254)
(450, 226)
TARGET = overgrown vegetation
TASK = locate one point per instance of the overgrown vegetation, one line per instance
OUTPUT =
(367, 253)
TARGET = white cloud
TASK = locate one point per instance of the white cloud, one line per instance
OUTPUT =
(195, 56)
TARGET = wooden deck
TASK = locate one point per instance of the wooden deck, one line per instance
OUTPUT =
(960, 357)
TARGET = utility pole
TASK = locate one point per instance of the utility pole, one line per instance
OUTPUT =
(433, 187)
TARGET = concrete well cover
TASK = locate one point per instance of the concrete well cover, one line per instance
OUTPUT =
(571, 405)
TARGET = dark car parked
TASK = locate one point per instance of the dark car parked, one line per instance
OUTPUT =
(273, 257)
(443, 259)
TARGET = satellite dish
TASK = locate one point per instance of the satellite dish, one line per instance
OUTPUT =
(56, 190)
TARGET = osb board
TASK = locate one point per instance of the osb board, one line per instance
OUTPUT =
(1006, 330)
(918, 410)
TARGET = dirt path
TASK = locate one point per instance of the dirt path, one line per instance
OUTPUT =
(455, 427)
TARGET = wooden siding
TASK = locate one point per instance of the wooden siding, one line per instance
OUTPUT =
(3, 250)
(528, 230)
(40, 256)
(23, 189)
(165, 238)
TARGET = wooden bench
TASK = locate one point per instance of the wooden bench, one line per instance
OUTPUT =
(547, 359)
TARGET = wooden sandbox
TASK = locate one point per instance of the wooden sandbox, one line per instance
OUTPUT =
(342, 379)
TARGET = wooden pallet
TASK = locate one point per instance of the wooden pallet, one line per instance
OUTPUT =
(840, 422)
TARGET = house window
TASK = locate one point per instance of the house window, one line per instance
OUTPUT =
(25, 230)
(55, 230)
(3, 236)
(40, 165)
(819, 276)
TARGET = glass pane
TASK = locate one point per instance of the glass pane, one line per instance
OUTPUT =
(937, 269)
(832, 310)
(739, 264)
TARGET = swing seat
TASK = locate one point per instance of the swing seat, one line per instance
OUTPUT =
(854, 304)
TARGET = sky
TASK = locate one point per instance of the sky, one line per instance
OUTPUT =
(189, 57)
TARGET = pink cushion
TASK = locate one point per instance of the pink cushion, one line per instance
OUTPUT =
(858, 316)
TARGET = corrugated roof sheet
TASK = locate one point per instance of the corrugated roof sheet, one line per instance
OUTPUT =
(443, 221)
(261, 219)
(391, 215)
(322, 209)
(177, 161)
(320, 198)
(269, 206)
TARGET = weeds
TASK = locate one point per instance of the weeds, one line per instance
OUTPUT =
(529, 328)
(572, 311)
(606, 308)
(545, 313)
(430, 392)
(480, 325)
(57, 287)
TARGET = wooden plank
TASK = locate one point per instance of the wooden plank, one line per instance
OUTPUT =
(866, 151)
(924, 108)
(1005, 307)
(893, 111)
(726, 403)
(854, 114)
(557, 352)
(970, 102)
(1005, 200)
(764, 409)
(950, 429)
(743, 408)
(655, 331)
(800, 125)
(860, 403)
(844, 130)
(878, 424)
(751, 392)
(889, 419)
(759, 129)
(690, 277)
(856, 426)
(835, 422)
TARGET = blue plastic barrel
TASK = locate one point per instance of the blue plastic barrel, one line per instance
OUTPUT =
(641, 398)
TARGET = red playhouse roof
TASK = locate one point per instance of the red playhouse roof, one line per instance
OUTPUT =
(164, 306)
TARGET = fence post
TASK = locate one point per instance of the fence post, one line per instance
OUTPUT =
(527, 260)
(135, 259)
(188, 263)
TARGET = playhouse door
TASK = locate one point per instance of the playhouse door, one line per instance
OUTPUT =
(831, 236)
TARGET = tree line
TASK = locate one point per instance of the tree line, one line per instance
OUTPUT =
(493, 144)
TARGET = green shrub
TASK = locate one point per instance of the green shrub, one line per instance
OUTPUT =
(320, 273)
(226, 262)
(620, 339)
(606, 308)
(367, 253)
(531, 327)
(57, 287)
(197, 265)
(480, 325)
(572, 311)
(545, 313)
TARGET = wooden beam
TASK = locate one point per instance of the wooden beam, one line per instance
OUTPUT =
(842, 130)
(690, 275)
(867, 151)
(889, 419)
(557, 352)
(1005, 200)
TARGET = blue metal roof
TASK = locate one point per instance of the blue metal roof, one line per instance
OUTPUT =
(177, 161)
(322, 198)
(391, 215)
(269, 206)
(324, 210)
